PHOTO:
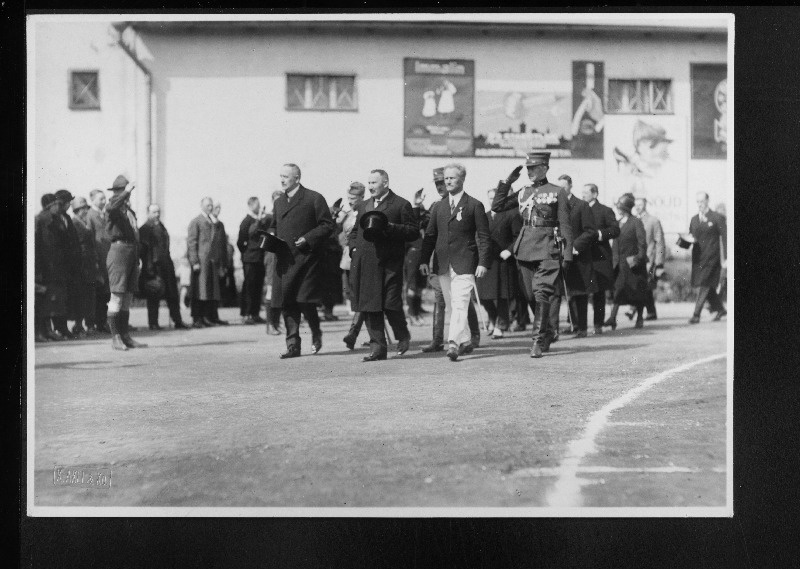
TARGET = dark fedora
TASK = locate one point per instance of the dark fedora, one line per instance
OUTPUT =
(119, 184)
(48, 199)
(374, 224)
(268, 242)
(64, 196)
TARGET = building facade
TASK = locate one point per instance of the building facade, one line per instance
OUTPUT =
(191, 109)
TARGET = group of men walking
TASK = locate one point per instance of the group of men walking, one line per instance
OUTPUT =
(534, 247)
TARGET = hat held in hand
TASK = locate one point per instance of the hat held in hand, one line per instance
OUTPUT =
(120, 182)
(268, 241)
(374, 224)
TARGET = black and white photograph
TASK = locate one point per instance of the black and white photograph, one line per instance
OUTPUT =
(463, 265)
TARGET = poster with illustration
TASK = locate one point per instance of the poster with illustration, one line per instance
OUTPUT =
(514, 122)
(588, 117)
(709, 111)
(439, 107)
(647, 155)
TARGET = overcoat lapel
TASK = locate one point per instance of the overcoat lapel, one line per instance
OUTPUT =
(295, 200)
(385, 201)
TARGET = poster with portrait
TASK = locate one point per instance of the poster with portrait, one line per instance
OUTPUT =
(439, 107)
(588, 117)
(709, 111)
(514, 122)
(647, 155)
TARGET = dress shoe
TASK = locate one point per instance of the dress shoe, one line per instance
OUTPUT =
(350, 342)
(66, 334)
(639, 323)
(518, 328)
(198, 324)
(720, 314)
(536, 351)
(258, 320)
(651, 317)
(79, 331)
(208, 323)
(316, 346)
(465, 348)
(433, 347)
(374, 357)
(274, 330)
(55, 336)
(117, 343)
(155, 327)
(475, 341)
(40, 337)
(694, 320)
(181, 326)
(248, 320)
(292, 352)
(329, 317)
(452, 353)
(497, 334)
(598, 330)
(554, 339)
(402, 346)
(580, 334)
(611, 322)
(103, 328)
(219, 322)
(132, 328)
(130, 342)
(546, 346)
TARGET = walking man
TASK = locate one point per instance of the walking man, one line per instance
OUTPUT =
(710, 233)
(656, 251)
(602, 257)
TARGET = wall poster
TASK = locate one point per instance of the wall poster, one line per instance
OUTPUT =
(588, 117)
(709, 111)
(439, 107)
(647, 155)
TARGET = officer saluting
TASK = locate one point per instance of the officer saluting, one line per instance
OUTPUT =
(545, 216)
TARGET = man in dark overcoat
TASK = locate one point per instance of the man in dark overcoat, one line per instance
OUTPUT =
(710, 233)
(51, 269)
(459, 233)
(500, 283)
(207, 250)
(302, 219)
(376, 269)
(72, 251)
(602, 258)
(90, 274)
(252, 263)
(96, 219)
(580, 279)
(545, 216)
(156, 260)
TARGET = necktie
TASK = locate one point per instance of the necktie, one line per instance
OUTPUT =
(452, 206)
(703, 217)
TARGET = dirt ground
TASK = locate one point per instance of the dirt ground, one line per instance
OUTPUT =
(212, 417)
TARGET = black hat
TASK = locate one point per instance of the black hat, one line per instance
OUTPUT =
(626, 202)
(438, 174)
(119, 184)
(268, 242)
(64, 196)
(337, 203)
(684, 243)
(537, 158)
(48, 199)
(374, 223)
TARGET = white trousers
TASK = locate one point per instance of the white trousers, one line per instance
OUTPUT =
(457, 290)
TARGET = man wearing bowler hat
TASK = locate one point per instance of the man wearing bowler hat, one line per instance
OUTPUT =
(384, 225)
(544, 245)
(122, 262)
(72, 253)
(459, 232)
(303, 221)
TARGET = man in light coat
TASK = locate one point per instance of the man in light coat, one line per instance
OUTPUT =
(656, 251)
(208, 256)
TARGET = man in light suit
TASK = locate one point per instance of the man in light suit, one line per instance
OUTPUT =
(656, 251)
(459, 232)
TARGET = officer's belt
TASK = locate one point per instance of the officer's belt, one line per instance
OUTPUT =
(541, 222)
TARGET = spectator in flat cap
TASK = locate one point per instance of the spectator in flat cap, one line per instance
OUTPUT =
(157, 262)
(51, 269)
(90, 275)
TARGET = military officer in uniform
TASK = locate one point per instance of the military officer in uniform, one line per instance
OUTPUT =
(544, 245)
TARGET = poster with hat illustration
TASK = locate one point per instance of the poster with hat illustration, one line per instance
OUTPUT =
(438, 107)
(709, 111)
(647, 155)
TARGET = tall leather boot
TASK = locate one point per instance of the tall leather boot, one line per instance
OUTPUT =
(541, 324)
(437, 342)
(114, 325)
(355, 329)
(122, 321)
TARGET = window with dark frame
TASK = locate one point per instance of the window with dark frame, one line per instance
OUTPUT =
(639, 96)
(84, 91)
(321, 92)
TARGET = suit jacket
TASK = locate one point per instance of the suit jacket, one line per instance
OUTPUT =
(90, 269)
(376, 268)
(656, 248)
(630, 261)
(155, 255)
(540, 201)
(602, 258)
(247, 243)
(707, 252)
(580, 277)
(206, 246)
(453, 236)
(298, 272)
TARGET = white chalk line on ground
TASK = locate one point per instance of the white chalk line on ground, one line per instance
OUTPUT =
(555, 471)
(566, 492)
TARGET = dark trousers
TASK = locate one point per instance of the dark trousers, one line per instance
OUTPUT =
(252, 288)
(599, 304)
(102, 296)
(152, 309)
(376, 329)
(650, 302)
(498, 312)
(204, 309)
(707, 293)
(579, 312)
(291, 319)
